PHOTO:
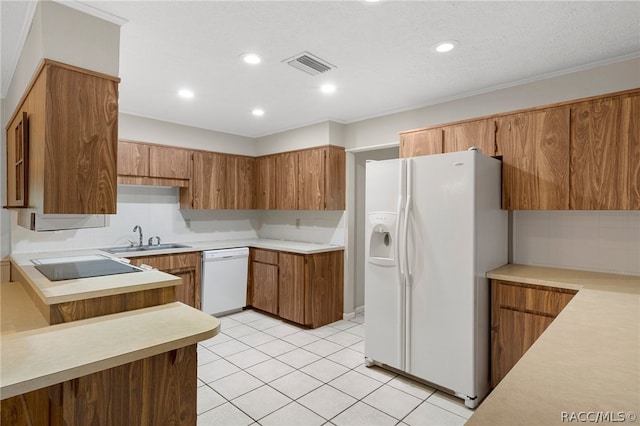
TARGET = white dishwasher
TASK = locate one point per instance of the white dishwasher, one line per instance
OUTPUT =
(224, 280)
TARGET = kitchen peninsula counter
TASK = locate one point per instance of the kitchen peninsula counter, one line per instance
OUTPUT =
(112, 369)
(56, 292)
(586, 361)
(46, 355)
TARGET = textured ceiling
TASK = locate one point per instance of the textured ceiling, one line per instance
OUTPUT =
(382, 51)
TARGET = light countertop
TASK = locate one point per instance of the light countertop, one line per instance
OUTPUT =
(17, 310)
(45, 356)
(586, 361)
(263, 243)
(53, 292)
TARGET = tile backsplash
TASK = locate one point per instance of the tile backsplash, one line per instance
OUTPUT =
(607, 241)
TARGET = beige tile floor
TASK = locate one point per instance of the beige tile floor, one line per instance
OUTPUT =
(263, 371)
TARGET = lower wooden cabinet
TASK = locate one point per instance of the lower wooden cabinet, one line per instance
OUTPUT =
(187, 266)
(291, 287)
(265, 288)
(519, 315)
(158, 390)
(303, 288)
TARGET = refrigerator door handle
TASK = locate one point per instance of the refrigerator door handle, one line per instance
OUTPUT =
(405, 232)
(401, 264)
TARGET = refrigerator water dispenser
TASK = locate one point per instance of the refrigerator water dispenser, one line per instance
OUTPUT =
(382, 235)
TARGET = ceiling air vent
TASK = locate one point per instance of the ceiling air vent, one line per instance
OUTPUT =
(309, 63)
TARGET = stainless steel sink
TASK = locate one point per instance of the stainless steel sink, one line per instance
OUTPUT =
(118, 250)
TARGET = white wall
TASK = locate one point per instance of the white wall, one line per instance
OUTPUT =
(325, 133)
(590, 82)
(62, 34)
(567, 235)
(143, 129)
(156, 209)
(594, 240)
(322, 227)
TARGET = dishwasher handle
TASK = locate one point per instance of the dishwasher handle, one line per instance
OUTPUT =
(225, 254)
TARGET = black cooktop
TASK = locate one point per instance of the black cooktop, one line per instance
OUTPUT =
(84, 269)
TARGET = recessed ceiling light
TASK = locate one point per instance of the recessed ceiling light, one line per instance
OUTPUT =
(327, 88)
(251, 58)
(185, 93)
(258, 112)
(446, 46)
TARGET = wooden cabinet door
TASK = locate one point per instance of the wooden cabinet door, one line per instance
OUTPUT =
(81, 145)
(165, 162)
(287, 181)
(535, 168)
(513, 333)
(265, 287)
(605, 154)
(324, 283)
(266, 182)
(209, 184)
(311, 172)
(187, 267)
(133, 159)
(242, 173)
(291, 287)
(479, 133)
(335, 179)
(422, 142)
(18, 162)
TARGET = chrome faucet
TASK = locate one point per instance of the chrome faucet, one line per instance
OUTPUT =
(138, 229)
(157, 240)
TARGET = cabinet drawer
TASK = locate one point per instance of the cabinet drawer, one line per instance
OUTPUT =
(265, 256)
(530, 298)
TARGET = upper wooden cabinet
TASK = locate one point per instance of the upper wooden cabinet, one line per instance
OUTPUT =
(241, 174)
(421, 142)
(480, 134)
(265, 182)
(62, 142)
(575, 155)
(287, 181)
(18, 161)
(535, 155)
(220, 181)
(321, 179)
(209, 185)
(310, 179)
(605, 154)
(147, 164)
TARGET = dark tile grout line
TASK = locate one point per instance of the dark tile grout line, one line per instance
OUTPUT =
(299, 369)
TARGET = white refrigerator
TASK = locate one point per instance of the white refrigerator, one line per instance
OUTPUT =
(434, 228)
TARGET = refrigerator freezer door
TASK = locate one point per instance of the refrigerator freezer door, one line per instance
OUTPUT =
(384, 293)
(441, 257)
